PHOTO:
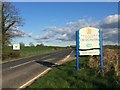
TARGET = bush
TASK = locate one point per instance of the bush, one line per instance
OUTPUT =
(5, 56)
(14, 54)
(110, 61)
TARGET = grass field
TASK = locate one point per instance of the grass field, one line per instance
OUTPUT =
(66, 76)
(30, 51)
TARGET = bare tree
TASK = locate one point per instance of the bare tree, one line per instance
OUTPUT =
(10, 20)
(31, 44)
(22, 44)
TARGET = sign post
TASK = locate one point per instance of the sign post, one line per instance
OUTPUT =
(77, 50)
(101, 53)
(89, 42)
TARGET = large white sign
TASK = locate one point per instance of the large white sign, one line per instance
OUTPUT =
(16, 46)
(89, 42)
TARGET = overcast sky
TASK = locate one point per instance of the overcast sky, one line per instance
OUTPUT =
(55, 23)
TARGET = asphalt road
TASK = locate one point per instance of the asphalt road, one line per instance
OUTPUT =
(17, 73)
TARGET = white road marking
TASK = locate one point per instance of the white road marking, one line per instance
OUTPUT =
(46, 56)
(49, 59)
(28, 62)
(30, 81)
(67, 56)
(22, 64)
(58, 63)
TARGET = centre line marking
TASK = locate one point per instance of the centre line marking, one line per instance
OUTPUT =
(28, 62)
(22, 64)
(45, 56)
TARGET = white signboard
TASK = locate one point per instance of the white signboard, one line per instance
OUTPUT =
(89, 42)
(16, 46)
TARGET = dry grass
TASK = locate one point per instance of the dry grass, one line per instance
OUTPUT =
(111, 61)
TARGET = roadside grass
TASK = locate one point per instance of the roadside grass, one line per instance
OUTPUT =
(30, 51)
(66, 76)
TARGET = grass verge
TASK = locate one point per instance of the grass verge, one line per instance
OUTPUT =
(66, 76)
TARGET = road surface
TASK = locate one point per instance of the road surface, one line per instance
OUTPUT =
(17, 73)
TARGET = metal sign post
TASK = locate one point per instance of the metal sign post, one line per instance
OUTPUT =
(101, 52)
(89, 42)
(77, 50)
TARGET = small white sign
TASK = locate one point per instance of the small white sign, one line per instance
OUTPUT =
(16, 46)
(90, 52)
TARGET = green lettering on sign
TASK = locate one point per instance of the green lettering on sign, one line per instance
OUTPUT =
(89, 45)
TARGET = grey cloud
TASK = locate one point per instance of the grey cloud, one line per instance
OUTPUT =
(44, 38)
(29, 34)
(110, 28)
(83, 23)
(56, 30)
(110, 21)
(67, 37)
(16, 33)
(110, 35)
(109, 25)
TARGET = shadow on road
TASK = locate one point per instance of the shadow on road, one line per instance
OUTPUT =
(47, 64)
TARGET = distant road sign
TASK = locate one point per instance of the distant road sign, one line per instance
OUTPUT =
(16, 46)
